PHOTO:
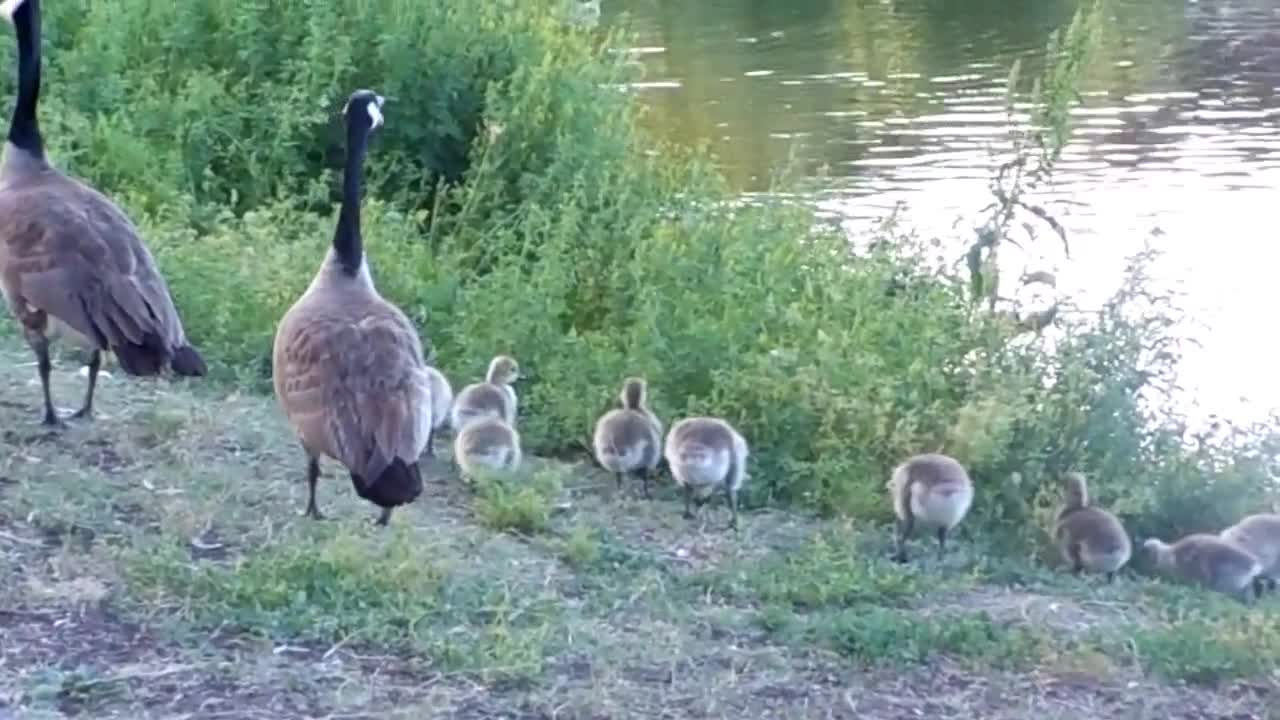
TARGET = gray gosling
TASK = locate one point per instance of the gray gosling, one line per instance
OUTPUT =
(932, 490)
(1207, 560)
(1260, 535)
(492, 398)
(484, 445)
(441, 405)
(629, 439)
(1089, 537)
(705, 455)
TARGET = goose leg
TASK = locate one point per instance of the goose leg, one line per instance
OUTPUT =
(644, 476)
(619, 478)
(688, 502)
(1111, 578)
(942, 542)
(904, 527)
(40, 345)
(95, 363)
(384, 518)
(313, 474)
(431, 443)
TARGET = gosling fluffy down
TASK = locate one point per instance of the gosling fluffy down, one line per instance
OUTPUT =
(1089, 537)
(932, 490)
(492, 398)
(629, 439)
(1207, 560)
(485, 445)
(1260, 535)
(706, 454)
(441, 404)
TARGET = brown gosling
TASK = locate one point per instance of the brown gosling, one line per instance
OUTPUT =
(1207, 560)
(932, 490)
(70, 256)
(1089, 537)
(629, 439)
(705, 455)
(1260, 535)
(487, 444)
(441, 405)
(492, 398)
(347, 365)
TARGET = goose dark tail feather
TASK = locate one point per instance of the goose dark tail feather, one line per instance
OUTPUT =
(187, 361)
(141, 358)
(150, 356)
(399, 484)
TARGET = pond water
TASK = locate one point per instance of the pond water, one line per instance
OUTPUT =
(1177, 141)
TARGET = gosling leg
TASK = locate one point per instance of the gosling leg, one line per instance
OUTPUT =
(430, 450)
(731, 496)
(619, 479)
(942, 543)
(904, 528)
(645, 474)
(688, 502)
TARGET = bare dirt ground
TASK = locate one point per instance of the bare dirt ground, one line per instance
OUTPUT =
(154, 564)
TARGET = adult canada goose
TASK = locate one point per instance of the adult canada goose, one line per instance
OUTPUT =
(487, 444)
(1260, 535)
(629, 439)
(1208, 560)
(707, 454)
(492, 398)
(70, 255)
(348, 365)
(1089, 537)
(932, 490)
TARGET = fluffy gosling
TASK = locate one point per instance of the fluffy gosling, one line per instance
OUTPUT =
(1089, 537)
(932, 490)
(1260, 535)
(485, 445)
(492, 398)
(629, 439)
(706, 454)
(1207, 560)
(441, 404)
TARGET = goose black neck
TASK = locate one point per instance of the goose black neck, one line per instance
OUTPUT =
(24, 131)
(347, 243)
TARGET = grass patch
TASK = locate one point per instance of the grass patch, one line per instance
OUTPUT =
(876, 635)
(363, 589)
(517, 504)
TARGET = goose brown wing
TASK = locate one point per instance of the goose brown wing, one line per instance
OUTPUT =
(73, 254)
(356, 389)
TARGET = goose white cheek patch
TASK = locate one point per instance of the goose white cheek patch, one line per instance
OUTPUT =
(374, 114)
(9, 7)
